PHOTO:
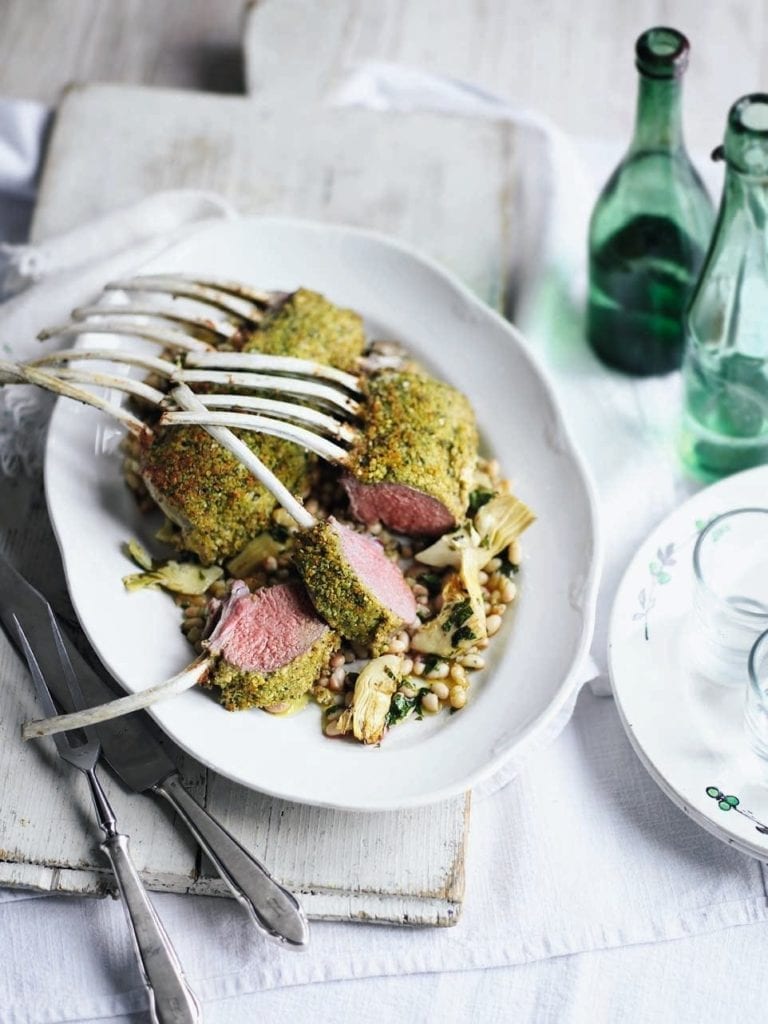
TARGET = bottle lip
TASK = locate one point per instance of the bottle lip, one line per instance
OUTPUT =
(746, 137)
(662, 53)
(749, 115)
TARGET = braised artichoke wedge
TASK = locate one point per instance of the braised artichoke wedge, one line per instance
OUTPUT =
(461, 621)
(367, 716)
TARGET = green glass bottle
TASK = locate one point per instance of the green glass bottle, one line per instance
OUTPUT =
(725, 372)
(651, 225)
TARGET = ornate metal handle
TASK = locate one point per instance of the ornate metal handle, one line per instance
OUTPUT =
(274, 909)
(172, 1001)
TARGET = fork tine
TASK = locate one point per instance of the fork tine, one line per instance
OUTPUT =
(70, 676)
(61, 740)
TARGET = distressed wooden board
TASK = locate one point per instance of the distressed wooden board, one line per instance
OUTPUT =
(112, 145)
(444, 184)
(572, 62)
(404, 867)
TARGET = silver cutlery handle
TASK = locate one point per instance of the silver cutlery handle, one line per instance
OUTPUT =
(172, 1000)
(274, 909)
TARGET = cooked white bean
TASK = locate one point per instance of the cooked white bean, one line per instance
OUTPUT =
(430, 703)
(440, 690)
(457, 672)
(492, 624)
(473, 661)
(458, 696)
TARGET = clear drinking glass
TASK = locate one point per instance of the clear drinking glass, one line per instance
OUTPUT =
(756, 714)
(730, 563)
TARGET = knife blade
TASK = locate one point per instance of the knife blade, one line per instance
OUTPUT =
(136, 757)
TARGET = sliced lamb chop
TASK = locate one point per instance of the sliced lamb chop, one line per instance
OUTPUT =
(353, 584)
(413, 469)
(268, 647)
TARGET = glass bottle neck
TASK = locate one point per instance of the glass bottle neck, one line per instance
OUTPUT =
(745, 195)
(658, 122)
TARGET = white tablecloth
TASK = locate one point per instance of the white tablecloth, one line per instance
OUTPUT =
(589, 895)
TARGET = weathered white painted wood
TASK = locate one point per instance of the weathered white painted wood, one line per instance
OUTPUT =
(46, 815)
(402, 867)
(46, 44)
(341, 166)
(442, 183)
(570, 61)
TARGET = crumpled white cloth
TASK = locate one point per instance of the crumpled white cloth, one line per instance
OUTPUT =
(583, 853)
(47, 280)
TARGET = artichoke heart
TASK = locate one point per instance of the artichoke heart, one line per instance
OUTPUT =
(495, 526)
(372, 698)
(461, 622)
(178, 577)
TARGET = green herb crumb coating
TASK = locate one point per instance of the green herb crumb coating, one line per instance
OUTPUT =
(216, 503)
(419, 432)
(242, 689)
(338, 593)
(308, 326)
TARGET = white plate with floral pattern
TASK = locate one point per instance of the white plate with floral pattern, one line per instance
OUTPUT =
(533, 667)
(687, 730)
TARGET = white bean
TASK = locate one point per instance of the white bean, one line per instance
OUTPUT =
(430, 703)
(473, 661)
(440, 690)
(458, 697)
(457, 672)
(492, 624)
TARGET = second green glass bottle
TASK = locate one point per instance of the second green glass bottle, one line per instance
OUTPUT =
(651, 225)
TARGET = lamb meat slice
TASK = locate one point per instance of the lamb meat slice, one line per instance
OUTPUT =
(401, 508)
(270, 646)
(352, 583)
(414, 465)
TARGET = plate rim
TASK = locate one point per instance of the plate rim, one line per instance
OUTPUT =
(589, 585)
(711, 825)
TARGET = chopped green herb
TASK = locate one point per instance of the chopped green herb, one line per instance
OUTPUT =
(430, 663)
(432, 581)
(403, 706)
(462, 633)
(458, 615)
(507, 568)
(479, 498)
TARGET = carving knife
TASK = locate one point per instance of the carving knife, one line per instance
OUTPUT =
(136, 757)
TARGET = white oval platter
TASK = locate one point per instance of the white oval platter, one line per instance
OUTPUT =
(533, 669)
(687, 730)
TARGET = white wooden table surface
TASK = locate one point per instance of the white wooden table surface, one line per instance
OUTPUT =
(285, 152)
